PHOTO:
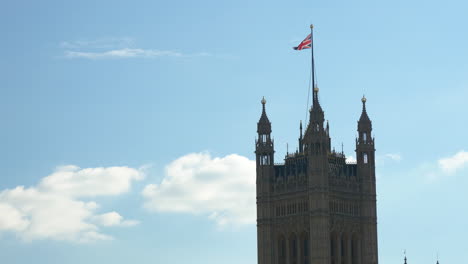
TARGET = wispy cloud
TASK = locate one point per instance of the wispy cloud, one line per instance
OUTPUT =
(117, 48)
(101, 43)
(393, 156)
(384, 159)
(130, 53)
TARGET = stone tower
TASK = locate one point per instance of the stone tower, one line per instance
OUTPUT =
(315, 208)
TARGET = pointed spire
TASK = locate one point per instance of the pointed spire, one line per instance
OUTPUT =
(264, 125)
(263, 108)
(315, 101)
(364, 116)
(300, 137)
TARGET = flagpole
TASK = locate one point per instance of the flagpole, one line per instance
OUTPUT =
(313, 66)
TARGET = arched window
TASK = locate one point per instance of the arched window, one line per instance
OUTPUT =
(364, 137)
(365, 158)
(265, 160)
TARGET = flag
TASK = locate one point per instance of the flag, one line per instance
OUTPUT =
(305, 44)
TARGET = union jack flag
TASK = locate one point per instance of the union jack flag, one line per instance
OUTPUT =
(305, 44)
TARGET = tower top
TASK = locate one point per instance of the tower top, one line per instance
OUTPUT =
(263, 125)
(364, 119)
(315, 101)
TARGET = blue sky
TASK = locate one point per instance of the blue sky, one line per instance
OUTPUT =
(128, 127)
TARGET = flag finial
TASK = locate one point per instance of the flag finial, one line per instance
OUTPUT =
(311, 26)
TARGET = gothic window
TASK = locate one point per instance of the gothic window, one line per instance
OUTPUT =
(342, 247)
(365, 158)
(294, 247)
(281, 250)
(364, 137)
(332, 247)
(306, 247)
(354, 249)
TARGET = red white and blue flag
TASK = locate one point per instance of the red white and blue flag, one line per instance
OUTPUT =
(305, 44)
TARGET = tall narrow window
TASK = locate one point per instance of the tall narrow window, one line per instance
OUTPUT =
(332, 247)
(364, 137)
(342, 247)
(306, 247)
(281, 250)
(292, 249)
(365, 158)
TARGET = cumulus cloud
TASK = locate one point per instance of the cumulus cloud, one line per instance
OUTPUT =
(75, 182)
(456, 162)
(58, 207)
(114, 219)
(222, 189)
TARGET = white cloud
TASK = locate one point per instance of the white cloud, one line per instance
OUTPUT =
(101, 43)
(53, 209)
(444, 167)
(11, 218)
(221, 188)
(393, 156)
(381, 160)
(123, 53)
(75, 182)
(116, 48)
(114, 219)
(456, 162)
(350, 159)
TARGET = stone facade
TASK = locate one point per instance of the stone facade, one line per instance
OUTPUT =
(315, 208)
